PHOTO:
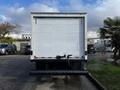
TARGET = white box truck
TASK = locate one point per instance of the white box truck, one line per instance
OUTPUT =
(59, 42)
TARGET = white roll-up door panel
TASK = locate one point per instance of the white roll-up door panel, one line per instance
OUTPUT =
(57, 36)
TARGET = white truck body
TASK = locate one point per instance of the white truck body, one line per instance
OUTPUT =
(58, 34)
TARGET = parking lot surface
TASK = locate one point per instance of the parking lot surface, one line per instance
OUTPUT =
(14, 75)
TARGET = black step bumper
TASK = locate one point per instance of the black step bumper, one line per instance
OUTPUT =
(58, 72)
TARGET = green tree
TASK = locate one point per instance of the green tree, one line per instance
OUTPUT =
(111, 29)
(8, 40)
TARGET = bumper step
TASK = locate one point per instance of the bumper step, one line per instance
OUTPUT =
(60, 72)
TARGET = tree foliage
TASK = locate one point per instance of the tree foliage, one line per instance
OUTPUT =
(8, 40)
(6, 28)
(111, 29)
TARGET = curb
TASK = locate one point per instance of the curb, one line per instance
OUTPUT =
(95, 82)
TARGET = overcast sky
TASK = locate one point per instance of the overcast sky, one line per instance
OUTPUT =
(18, 11)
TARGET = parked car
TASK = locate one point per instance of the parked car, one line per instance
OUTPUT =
(7, 49)
(27, 50)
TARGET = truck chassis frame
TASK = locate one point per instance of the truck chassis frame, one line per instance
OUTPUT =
(77, 67)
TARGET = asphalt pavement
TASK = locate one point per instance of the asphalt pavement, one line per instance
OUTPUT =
(14, 75)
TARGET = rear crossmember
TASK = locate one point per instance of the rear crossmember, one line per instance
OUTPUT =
(60, 72)
(79, 71)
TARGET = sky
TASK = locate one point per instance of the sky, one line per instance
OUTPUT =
(18, 11)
